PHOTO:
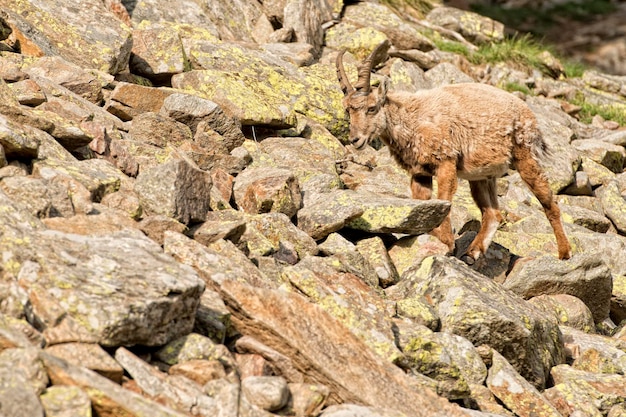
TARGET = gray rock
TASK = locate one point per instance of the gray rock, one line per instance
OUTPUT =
(17, 141)
(106, 396)
(449, 359)
(63, 401)
(352, 260)
(593, 352)
(87, 84)
(585, 277)
(567, 310)
(614, 204)
(398, 215)
(351, 370)
(325, 213)
(307, 399)
(270, 393)
(104, 44)
(307, 19)
(177, 188)
(265, 190)
(102, 284)
(157, 66)
(472, 26)
(515, 392)
(328, 283)
(176, 391)
(311, 161)
(403, 35)
(604, 153)
(193, 110)
(216, 264)
(17, 396)
(473, 306)
(353, 410)
(374, 251)
(446, 73)
(265, 232)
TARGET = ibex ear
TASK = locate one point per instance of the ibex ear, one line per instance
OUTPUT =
(382, 90)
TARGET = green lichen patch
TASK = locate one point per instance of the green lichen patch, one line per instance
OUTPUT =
(105, 47)
(400, 216)
(260, 89)
(360, 41)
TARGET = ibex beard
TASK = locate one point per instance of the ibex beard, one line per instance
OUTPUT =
(471, 131)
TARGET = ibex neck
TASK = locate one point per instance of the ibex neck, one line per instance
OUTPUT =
(398, 135)
(394, 134)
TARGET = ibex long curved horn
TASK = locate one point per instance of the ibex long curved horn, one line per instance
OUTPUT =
(365, 69)
(346, 87)
(377, 56)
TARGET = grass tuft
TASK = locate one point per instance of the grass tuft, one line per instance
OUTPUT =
(521, 51)
(616, 112)
(512, 86)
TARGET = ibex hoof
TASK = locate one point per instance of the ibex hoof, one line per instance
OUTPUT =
(468, 260)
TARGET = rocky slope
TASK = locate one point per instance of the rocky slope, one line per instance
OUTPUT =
(183, 231)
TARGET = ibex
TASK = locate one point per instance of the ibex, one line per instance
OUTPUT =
(471, 131)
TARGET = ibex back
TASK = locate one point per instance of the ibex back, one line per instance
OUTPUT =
(472, 131)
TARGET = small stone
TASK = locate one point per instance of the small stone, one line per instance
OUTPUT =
(270, 393)
(65, 401)
(199, 370)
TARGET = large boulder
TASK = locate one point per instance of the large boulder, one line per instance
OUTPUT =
(585, 277)
(88, 288)
(473, 306)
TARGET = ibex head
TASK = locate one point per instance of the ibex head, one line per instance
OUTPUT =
(363, 104)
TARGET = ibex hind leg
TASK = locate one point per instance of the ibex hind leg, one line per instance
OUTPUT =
(532, 175)
(486, 198)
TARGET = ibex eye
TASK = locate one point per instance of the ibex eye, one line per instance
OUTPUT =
(372, 110)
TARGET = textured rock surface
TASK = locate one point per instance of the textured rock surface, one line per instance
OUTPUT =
(184, 231)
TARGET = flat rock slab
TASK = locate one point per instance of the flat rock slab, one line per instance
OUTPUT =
(327, 351)
(383, 214)
(329, 212)
(107, 397)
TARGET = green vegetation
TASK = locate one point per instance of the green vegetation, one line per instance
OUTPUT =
(518, 50)
(521, 51)
(511, 86)
(573, 69)
(616, 113)
(446, 45)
